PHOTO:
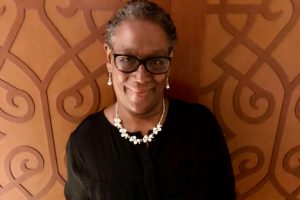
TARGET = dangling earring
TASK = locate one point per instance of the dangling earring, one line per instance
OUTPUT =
(167, 84)
(109, 81)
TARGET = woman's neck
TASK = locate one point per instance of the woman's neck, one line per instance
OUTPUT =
(135, 122)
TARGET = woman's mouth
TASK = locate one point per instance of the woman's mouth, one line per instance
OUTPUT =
(139, 91)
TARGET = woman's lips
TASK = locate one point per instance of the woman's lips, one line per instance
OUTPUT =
(140, 92)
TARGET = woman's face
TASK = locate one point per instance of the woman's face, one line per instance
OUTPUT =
(138, 92)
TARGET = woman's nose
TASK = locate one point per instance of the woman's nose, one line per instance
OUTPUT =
(142, 74)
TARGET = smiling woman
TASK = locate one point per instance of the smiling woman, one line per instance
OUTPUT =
(146, 146)
(139, 92)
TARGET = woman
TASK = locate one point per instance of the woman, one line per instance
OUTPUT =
(146, 146)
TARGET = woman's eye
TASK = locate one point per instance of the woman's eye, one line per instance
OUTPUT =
(157, 62)
(126, 59)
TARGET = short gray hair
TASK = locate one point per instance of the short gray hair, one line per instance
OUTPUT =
(144, 10)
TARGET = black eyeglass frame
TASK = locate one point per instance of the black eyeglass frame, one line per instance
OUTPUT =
(142, 61)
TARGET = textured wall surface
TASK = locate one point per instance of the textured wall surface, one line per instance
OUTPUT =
(240, 58)
(251, 75)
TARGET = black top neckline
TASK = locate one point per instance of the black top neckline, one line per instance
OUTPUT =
(138, 134)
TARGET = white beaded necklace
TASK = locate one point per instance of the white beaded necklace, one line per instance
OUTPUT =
(134, 139)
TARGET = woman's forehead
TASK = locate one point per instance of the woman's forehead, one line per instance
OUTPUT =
(140, 34)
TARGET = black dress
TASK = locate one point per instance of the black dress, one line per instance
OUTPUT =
(188, 160)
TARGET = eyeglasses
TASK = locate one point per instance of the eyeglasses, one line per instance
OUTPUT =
(155, 65)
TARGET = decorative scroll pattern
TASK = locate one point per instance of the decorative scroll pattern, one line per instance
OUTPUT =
(2, 135)
(257, 169)
(20, 102)
(252, 85)
(27, 171)
(11, 94)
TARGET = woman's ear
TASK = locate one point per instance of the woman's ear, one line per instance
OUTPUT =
(108, 57)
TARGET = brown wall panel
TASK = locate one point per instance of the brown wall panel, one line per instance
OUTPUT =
(238, 57)
(250, 48)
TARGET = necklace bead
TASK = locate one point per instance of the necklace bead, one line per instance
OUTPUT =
(134, 139)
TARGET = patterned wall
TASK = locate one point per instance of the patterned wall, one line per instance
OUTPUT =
(238, 57)
(251, 75)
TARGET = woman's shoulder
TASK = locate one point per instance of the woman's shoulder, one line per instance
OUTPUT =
(186, 107)
(190, 112)
(89, 124)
